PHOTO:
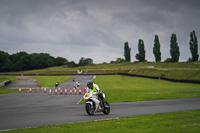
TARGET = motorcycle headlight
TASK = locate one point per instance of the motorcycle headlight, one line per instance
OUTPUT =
(87, 95)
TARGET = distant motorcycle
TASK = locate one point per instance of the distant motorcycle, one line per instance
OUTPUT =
(92, 104)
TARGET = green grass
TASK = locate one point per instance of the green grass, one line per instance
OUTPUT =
(120, 88)
(49, 81)
(4, 78)
(178, 122)
(6, 91)
(180, 71)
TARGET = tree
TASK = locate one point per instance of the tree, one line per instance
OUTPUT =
(118, 60)
(194, 46)
(156, 49)
(174, 51)
(141, 55)
(85, 61)
(127, 52)
(72, 64)
(59, 61)
(3, 59)
(21, 61)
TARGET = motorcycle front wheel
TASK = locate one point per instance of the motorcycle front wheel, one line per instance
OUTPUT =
(89, 109)
(106, 110)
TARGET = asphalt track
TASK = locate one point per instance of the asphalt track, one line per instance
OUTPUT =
(20, 110)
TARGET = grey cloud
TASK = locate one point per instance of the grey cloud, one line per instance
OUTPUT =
(87, 27)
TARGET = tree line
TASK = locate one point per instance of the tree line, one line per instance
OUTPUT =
(23, 61)
(174, 50)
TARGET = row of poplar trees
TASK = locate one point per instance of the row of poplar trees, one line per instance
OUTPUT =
(174, 49)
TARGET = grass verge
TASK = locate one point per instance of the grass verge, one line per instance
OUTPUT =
(119, 88)
(178, 122)
(6, 91)
(4, 78)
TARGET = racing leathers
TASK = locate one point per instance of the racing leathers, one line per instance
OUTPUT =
(95, 88)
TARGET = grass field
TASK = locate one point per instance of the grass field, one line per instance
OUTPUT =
(178, 122)
(179, 71)
(120, 88)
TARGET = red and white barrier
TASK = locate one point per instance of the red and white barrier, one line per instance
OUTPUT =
(65, 91)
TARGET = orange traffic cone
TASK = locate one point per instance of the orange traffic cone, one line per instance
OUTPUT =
(30, 91)
(65, 91)
(50, 91)
(70, 91)
(74, 91)
(79, 91)
(45, 90)
(61, 91)
(84, 91)
(56, 92)
(25, 90)
(35, 90)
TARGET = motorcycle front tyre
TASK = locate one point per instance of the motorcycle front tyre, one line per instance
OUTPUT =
(89, 109)
(106, 110)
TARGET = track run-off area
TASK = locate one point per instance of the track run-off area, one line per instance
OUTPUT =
(21, 110)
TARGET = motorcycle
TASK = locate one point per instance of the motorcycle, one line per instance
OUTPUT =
(92, 104)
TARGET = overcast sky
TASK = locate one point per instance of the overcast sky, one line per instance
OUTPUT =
(97, 29)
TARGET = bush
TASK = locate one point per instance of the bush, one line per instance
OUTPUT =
(168, 60)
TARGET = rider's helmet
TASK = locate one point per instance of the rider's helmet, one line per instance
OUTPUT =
(90, 84)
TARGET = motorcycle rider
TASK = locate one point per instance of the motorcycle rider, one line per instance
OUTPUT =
(95, 88)
(77, 85)
(57, 84)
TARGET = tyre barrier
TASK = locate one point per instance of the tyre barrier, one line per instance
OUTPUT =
(7, 82)
(61, 91)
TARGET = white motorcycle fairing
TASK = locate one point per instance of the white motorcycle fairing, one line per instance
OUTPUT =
(96, 101)
(93, 104)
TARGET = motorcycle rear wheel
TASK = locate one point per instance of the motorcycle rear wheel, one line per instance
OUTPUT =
(89, 109)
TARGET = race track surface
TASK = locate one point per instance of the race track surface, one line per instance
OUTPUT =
(20, 110)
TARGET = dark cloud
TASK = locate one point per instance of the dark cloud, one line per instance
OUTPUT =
(96, 29)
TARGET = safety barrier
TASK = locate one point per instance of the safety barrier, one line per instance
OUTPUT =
(7, 82)
(55, 91)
